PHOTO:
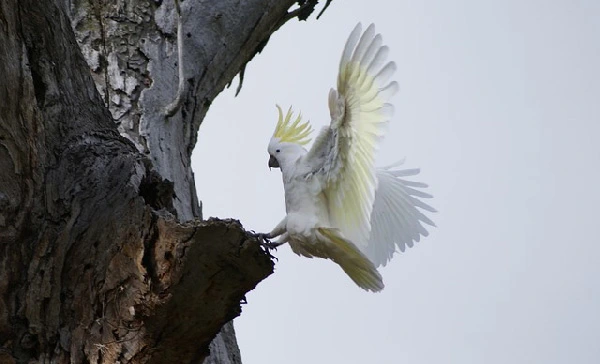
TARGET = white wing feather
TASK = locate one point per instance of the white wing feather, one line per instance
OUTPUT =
(345, 151)
(396, 220)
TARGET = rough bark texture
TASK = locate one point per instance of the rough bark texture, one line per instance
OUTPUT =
(103, 256)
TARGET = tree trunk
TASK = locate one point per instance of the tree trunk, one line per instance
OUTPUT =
(104, 257)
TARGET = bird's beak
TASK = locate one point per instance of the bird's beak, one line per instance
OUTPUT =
(273, 162)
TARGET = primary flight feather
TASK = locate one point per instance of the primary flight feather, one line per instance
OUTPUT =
(338, 205)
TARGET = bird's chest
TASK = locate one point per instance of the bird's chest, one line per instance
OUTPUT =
(303, 195)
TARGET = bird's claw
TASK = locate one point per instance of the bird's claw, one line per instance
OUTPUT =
(270, 245)
(264, 241)
(261, 237)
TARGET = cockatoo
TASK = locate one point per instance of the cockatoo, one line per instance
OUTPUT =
(339, 206)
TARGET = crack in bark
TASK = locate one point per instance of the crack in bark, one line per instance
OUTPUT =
(96, 6)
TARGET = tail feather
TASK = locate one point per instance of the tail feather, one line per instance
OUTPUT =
(356, 265)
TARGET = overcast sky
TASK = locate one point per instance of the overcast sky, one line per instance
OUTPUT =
(499, 105)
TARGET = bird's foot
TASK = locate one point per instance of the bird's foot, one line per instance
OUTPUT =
(270, 244)
(261, 237)
(265, 242)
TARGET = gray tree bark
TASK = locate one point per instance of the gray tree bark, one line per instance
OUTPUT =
(104, 257)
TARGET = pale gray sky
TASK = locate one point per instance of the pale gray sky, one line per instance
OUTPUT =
(500, 107)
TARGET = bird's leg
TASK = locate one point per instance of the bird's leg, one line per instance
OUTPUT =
(279, 230)
(263, 238)
(271, 244)
(283, 238)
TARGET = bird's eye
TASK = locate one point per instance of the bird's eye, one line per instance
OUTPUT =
(277, 151)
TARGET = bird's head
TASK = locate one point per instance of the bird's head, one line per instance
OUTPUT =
(283, 153)
(287, 142)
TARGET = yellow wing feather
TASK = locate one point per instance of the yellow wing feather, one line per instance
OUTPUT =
(360, 112)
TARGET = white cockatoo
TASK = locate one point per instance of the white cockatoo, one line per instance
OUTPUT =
(339, 206)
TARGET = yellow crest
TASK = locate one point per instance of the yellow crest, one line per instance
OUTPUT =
(292, 132)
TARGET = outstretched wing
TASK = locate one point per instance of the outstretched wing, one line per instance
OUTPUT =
(397, 219)
(344, 152)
